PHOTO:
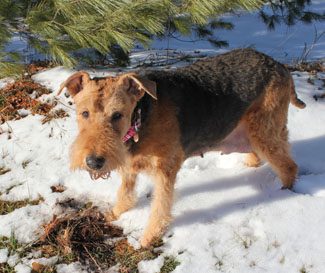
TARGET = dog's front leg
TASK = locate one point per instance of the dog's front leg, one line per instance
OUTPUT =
(126, 197)
(161, 206)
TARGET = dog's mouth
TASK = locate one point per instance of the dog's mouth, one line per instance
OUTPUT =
(94, 175)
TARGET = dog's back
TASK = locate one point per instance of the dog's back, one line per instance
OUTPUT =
(212, 95)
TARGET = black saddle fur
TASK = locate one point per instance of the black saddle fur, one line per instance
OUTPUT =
(211, 95)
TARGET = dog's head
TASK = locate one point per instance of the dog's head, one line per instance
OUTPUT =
(104, 110)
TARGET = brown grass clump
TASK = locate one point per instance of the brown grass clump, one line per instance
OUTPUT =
(16, 96)
(6, 268)
(59, 113)
(9, 206)
(86, 237)
(83, 236)
(38, 66)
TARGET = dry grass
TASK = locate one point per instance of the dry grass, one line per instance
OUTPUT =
(6, 268)
(311, 67)
(38, 66)
(16, 96)
(81, 236)
(128, 257)
(4, 170)
(59, 113)
(170, 263)
(40, 268)
(25, 163)
(10, 243)
(9, 206)
(85, 236)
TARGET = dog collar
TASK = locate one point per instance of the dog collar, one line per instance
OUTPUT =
(134, 129)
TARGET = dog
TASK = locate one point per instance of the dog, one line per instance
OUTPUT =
(153, 120)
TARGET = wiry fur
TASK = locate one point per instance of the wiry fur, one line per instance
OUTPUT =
(204, 106)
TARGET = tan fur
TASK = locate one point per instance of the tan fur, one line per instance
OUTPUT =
(252, 160)
(266, 123)
(160, 153)
(95, 136)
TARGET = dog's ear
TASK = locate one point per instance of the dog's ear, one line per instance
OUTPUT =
(137, 86)
(75, 83)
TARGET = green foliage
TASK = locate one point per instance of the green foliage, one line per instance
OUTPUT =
(9, 206)
(289, 12)
(170, 263)
(60, 28)
(10, 243)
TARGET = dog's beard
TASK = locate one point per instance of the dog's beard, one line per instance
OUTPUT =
(94, 175)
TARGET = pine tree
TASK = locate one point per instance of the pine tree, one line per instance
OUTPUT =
(11, 13)
(103, 24)
(289, 12)
(60, 27)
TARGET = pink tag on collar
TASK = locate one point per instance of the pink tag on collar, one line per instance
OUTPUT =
(133, 130)
(129, 134)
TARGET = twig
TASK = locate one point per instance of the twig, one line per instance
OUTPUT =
(99, 268)
(306, 50)
(57, 100)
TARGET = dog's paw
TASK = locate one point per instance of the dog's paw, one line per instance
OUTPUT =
(146, 241)
(152, 237)
(110, 216)
(252, 160)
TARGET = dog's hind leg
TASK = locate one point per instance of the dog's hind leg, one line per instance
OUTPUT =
(252, 160)
(276, 152)
(267, 131)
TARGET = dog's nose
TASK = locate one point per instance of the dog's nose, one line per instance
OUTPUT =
(95, 162)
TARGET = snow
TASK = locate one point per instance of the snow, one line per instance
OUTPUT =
(227, 217)
(71, 268)
(3, 255)
(22, 268)
(151, 266)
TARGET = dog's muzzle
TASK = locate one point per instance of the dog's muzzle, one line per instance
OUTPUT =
(95, 162)
(95, 165)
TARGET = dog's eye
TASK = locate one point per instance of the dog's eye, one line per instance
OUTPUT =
(116, 116)
(85, 114)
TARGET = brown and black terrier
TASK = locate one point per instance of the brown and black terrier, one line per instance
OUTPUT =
(152, 121)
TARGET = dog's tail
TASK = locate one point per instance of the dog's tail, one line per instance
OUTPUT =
(293, 96)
